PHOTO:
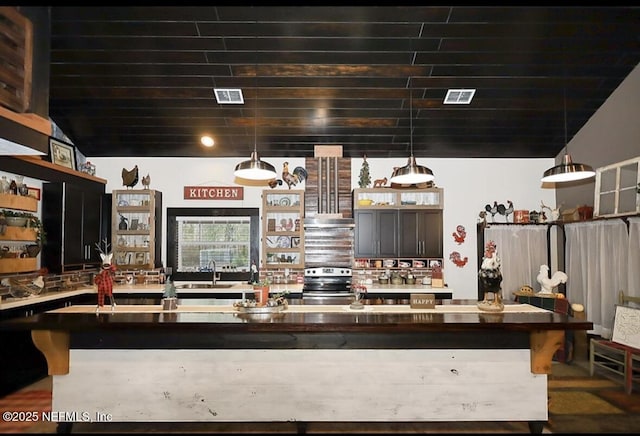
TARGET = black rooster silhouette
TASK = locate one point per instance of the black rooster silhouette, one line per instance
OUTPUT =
(130, 177)
(298, 175)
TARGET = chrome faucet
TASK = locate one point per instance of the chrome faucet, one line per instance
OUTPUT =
(212, 266)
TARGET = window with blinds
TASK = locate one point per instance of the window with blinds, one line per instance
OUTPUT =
(201, 240)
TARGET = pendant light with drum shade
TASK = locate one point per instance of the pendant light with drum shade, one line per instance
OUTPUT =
(567, 171)
(411, 173)
(254, 168)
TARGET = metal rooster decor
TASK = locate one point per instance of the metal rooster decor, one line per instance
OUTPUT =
(493, 210)
(298, 175)
(146, 181)
(499, 209)
(130, 177)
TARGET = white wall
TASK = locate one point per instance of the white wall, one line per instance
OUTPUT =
(468, 185)
(611, 135)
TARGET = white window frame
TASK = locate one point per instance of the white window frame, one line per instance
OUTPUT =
(616, 190)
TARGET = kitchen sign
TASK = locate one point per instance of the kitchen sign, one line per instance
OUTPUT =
(213, 193)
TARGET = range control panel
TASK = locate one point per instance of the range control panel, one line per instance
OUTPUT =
(328, 272)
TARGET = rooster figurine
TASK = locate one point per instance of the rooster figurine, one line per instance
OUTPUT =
(493, 210)
(274, 182)
(146, 181)
(130, 177)
(298, 175)
(547, 284)
(508, 211)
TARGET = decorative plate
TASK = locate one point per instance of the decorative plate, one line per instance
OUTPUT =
(285, 201)
(284, 242)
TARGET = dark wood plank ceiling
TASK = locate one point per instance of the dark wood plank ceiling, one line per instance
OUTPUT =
(138, 81)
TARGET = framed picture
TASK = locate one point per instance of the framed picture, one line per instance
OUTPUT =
(33, 192)
(62, 154)
(140, 258)
(295, 241)
(134, 224)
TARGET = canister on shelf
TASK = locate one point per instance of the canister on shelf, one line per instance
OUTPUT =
(520, 216)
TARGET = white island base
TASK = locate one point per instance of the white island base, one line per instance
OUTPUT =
(309, 385)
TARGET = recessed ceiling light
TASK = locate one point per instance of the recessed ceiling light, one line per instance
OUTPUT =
(207, 141)
(228, 96)
(459, 96)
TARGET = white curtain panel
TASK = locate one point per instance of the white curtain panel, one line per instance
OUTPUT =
(633, 287)
(522, 249)
(597, 254)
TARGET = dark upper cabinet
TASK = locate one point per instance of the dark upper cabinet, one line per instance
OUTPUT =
(420, 233)
(376, 233)
(73, 218)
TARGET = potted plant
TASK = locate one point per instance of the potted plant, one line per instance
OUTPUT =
(169, 296)
(261, 290)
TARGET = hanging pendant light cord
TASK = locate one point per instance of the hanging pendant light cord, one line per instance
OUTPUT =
(566, 142)
(411, 120)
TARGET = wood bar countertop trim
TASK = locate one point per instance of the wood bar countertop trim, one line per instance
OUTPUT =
(287, 322)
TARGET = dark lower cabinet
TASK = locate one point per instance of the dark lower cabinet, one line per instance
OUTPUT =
(376, 233)
(21, 363)
(73, 218)
(420, 233)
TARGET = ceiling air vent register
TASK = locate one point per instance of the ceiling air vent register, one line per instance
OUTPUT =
(459, 96)
(228, 96)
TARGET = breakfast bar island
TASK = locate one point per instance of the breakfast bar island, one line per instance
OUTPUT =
(206, 361)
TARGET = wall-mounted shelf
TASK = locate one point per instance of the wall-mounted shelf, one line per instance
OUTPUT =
(18, 235)
(12, 201)
(38, 168)
(18, 265)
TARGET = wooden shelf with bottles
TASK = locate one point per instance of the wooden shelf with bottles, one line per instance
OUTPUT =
(391, 198)
(135, 225)
(11, 262)
(282, 229)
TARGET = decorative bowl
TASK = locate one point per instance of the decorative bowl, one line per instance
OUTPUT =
(365, 202)
(16, 221)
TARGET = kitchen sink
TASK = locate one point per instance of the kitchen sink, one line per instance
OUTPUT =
(204, 286)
